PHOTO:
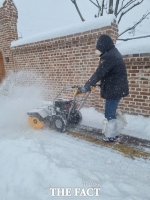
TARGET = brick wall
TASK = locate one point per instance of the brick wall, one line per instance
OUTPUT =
(8, 32)
(64, 61)
(138, 68)
(71, 60)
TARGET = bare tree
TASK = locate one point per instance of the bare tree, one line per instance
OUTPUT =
(120, 9)
(134, 26)
(127, 7)
(110, 7)
(77, 8)
(116, 7)
(134, 38)
(100, 8)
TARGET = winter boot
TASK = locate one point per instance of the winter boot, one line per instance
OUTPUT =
(111, 139)
(111, 130)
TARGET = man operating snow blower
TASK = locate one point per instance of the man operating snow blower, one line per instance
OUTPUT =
(114, 85)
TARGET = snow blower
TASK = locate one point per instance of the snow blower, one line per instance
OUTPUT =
(61, 113)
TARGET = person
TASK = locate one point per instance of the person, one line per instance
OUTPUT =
(114, 85)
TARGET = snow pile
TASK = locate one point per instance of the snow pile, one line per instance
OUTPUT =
(138, 126)
(135, 46)
(16, 98)
(68, 30)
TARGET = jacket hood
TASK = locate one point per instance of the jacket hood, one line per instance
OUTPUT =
(104, 43)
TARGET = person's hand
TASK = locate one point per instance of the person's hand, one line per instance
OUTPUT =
(83, 89)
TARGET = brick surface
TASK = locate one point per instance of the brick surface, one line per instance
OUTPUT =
(8, 32)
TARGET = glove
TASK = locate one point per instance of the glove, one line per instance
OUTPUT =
(87, 85)
(83, 89)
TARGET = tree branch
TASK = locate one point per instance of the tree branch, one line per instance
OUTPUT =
(134, 38)
(125, 6)
(102, 7)
(129, 3)
(133, 27)
(110, 7)
(94, 3)
(123, 13)
(74, 2)
(116, 7)
(97, 5)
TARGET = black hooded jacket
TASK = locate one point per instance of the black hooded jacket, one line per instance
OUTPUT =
(111, 71)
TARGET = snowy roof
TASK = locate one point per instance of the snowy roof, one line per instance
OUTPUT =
(135, 46)
(68, 30)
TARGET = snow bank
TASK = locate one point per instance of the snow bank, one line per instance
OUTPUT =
(68, 30)
(138, 126)
(135, 46)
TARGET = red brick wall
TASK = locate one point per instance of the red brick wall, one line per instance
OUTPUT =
(64, 61)
(138, 68)
(71, 60)
(8, 32)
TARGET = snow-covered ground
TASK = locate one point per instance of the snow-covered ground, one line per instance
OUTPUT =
(137, 126)
(32, 162)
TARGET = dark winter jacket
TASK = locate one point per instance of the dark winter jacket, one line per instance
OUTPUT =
(111, 71)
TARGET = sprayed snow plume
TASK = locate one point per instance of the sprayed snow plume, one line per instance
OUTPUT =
(17, 96)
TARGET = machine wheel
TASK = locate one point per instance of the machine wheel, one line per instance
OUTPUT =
(75, 118)
(35, 122)
(59, 123)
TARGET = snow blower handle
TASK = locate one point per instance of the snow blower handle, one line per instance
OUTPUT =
(78, 91)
